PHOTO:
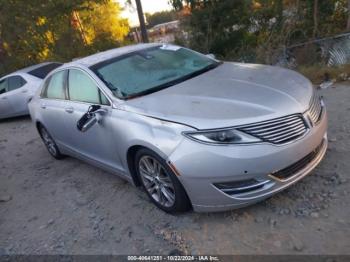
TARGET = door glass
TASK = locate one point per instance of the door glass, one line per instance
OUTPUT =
(3, 86)
(55, 88)
(82, 88)
(15, 82)
(104, 100)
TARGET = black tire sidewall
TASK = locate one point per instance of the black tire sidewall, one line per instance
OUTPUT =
(182, 202)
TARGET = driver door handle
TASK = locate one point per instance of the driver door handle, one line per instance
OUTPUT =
(69, 110)
(43, 106)
(24, 91)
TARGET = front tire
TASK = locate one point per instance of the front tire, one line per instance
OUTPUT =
(50, 143)
(160, 183)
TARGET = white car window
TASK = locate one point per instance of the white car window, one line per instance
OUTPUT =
(82, 88)
(55, 88)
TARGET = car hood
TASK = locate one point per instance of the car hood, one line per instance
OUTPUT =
(229, 95)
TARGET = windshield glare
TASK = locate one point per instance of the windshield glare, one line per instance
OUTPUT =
(150, 70)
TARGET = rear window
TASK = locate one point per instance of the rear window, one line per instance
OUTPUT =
(15, 82)
(43, 71)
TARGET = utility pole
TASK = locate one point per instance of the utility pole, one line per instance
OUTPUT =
(142, 21)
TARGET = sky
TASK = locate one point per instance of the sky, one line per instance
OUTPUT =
(148, 6)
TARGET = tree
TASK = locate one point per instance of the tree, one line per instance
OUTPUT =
(315, 15)
(102, 24)
(348, 23)
(216, 26)
(39, 30)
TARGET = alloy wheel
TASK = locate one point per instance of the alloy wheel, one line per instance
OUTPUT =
(156, 181)
(49, 142)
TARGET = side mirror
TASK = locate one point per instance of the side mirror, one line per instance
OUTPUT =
(212, 56)
(88, 119)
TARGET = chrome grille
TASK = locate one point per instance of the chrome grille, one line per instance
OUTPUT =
(315, 109)
(279, 130)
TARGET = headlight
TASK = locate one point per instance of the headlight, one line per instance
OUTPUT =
(224, 136)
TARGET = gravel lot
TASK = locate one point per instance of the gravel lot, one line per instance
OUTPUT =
(69, 207)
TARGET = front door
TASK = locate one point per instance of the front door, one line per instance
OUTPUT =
(17, 95)
(99, 143)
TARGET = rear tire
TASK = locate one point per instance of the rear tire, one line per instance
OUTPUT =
(160, 183)
(50, 143)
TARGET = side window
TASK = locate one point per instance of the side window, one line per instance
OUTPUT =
(81, 88)
(44, 87)
(3, 86)
(15, 82)
(104, 100)
(55, 88)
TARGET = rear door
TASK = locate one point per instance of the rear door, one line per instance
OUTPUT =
(17, 95)
(52, 106)
(4, 103)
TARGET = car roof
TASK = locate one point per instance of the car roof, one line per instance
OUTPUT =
(105, 55)
(28, 69)
(33, 67)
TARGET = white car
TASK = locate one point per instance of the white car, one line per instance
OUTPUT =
(17, 89)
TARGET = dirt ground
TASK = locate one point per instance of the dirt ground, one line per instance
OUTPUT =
(69, 207)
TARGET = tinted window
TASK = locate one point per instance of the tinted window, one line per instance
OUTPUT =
(82, 88)
(15, 82)
(3, 86)
(55, 88)
(43, 71)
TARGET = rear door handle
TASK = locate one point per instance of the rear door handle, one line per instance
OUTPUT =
(24, 91)
(4, 97)
(69, 110)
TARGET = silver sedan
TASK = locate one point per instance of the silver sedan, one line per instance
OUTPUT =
(17, 89)
(193, 131)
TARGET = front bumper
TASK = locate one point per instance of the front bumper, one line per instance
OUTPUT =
(201, 166)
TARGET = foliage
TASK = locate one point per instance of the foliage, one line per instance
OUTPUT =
(160, 17)
(259, 30)
(39, 30)
(104, 20)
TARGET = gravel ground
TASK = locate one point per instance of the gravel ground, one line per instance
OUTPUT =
(69, 207)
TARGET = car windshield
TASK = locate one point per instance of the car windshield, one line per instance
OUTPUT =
(149, 70)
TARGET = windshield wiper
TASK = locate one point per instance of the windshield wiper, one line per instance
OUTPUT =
(111, 86)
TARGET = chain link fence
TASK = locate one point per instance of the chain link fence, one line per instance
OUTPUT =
(330, 51)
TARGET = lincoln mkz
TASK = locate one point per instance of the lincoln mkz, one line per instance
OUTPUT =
(193, 131)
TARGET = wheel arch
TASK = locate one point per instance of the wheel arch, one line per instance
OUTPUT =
(38, 124)
(130, 159)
